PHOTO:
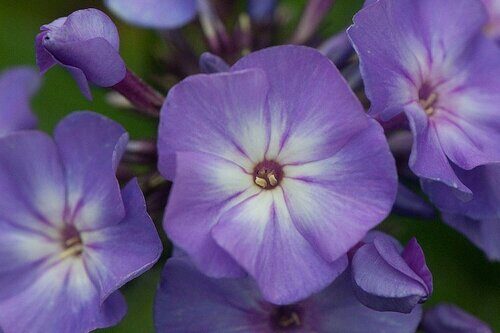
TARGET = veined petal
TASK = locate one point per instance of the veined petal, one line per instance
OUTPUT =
(427, 158)
(32, 195)
(62, 300)
(260, 235)
(91, 147)
(160, 14)
(344, 196)
(117, 254)
(312, 110)
(205, 187)
(224, 114)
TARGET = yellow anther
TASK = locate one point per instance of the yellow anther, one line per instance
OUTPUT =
(428, 104)
(272, 179)
(293, 320)
(261, 182)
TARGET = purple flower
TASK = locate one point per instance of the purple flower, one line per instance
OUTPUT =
(70, 237)
(430, 60)
(188, 301)
(492, 28)
(388, 277)
(86, 43)
(159, 14)
(479, 218)
(277, 171)
(448, 318)
(17, 86)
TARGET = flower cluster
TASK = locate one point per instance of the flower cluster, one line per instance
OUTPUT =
(280, 163)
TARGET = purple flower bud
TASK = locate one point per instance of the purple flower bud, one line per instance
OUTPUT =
(86, 43)
(430, 60)
(188, 301)
(277, 171)
(210, 63)
(448, 318)
(70, 237)
(158, 14)
(388, 279)
(17, 85)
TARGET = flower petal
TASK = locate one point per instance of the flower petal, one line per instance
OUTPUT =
(312, 110)
(91, 147)
(205, 186)
(260, 235)
(224, 114)
(159, 14)
(336, 201)
(118, 254)
(62, 300)
(187, 300)
(450, 318)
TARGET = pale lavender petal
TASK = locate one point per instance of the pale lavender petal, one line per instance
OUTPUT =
(118, 254)
(313, 113)
(158, 14)
(387, 280)
(64, 286)
(484, 233)
(329, 198)
(260, 235)
(91, 146)
(451, 319)
(337, 310)
(223, 114)
(205, 186)
(17, 86)
(188, 301)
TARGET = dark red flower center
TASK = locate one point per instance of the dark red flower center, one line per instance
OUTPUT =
(268, 174)
(71, 242)
(427, 98)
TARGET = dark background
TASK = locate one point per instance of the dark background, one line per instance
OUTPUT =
(462, 274)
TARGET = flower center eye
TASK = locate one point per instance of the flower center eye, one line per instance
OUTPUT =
(427, 99)
(267, 174)
(286, 317)
(71, 242)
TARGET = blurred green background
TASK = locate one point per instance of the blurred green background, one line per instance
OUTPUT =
(462, 275)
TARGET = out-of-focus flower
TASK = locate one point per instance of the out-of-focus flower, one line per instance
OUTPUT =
(17, 86)
(277, 171)
(211, 63)
(430, 60)
(159, 14)
(262, 11)
(69, 237)
(479, 218)
(492, 28)
(86, 43)
(388, 277)
(410, 204)
(190, 301)
(448, 318)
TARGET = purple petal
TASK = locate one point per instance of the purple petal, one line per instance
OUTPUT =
(119, 253)
(158, 14)
(63, 299)
(337, 310)
(17, 86)
(223, 114)
(427, 159)
(313, 113)
(330, 197)
(260, 235)
(450, 318)
(205, 186)
(385, 281)
(44, 60)
(187, 300)
(484, 233)
(91, 147)
(410, 204)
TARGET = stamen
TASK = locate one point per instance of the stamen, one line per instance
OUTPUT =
(71, 242)
(287, 318)
(272, 179)
(428, 104)
(261, 182)
(292, 320)
(268, 174)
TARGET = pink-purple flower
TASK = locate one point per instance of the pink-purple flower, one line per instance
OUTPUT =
(70, 237)
(277, 171)
(188, 301)
(430, 60)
